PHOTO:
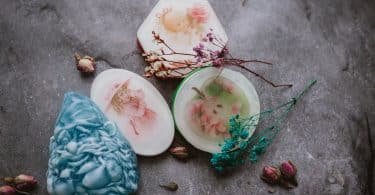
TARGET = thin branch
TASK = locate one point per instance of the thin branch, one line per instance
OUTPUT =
(371, 161)
(185, 54)
(247, 61)
(217, 62)
(263, 78)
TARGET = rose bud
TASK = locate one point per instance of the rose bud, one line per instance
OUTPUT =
(179, 152)
(271, 175)
(7, 190)
(289, 171)
(25, 182)
(85, 64)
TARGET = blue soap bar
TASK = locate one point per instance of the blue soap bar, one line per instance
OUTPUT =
(88, 154)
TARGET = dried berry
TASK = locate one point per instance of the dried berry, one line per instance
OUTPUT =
(85, 64)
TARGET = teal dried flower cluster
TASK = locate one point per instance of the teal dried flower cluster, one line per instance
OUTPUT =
(240, 146)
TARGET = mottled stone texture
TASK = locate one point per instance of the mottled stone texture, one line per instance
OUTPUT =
(326, 136)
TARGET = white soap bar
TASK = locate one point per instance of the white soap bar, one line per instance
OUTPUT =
(137, 107)
(182, 24)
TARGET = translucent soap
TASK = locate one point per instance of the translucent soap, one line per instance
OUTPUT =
(88, 155)
(205, 101)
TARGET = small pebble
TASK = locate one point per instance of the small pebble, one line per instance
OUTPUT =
(271, 190)
(331, 180)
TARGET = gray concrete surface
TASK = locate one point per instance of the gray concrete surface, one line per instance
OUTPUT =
(326, 136)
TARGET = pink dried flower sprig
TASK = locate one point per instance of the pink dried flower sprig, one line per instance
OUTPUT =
(163, 67)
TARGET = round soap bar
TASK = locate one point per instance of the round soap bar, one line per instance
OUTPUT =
(205, 101)
(88, 155)
(137, 107)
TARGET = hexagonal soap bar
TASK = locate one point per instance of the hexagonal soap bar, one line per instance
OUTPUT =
(181, 25)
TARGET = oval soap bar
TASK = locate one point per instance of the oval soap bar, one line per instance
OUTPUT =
(205, 101)
(88, 154)
(137, 107)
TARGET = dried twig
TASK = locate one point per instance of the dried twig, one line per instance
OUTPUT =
(162, 67)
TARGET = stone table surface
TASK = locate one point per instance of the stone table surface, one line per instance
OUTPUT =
(330, 135)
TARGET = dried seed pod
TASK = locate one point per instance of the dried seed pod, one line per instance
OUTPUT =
(171, 186)
(179, 152)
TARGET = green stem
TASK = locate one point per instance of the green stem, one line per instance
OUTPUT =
(312, 83)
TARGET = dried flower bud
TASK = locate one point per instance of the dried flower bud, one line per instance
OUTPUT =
(85, 64)
(218, 62)
(289, 171)
(271, 175)
(7, 190)
(8, 180)
(172, 186)
(179, 152)
(25, 182)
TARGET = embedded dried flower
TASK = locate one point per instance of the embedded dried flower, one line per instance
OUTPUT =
(179, 152)
(171, 186)
(271, 175)
(85, 64)
(7, 190)
(198, 13)
(25, 182)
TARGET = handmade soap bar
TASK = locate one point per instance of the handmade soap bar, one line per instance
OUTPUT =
(137, 107)
(206, 100)
(88, 155)
(174, 28)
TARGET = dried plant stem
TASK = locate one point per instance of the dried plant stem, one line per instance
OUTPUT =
(199, 92)
(134, 127)
(239, 61)
(263, 78)
(177, 53)
(204, 56)
(173, 51)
